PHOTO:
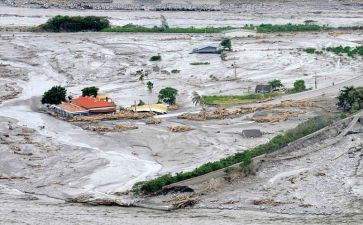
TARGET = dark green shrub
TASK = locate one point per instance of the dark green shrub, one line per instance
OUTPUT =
(55, 95)
(275, 83)
(227, 44)
(75, 23)
(168, 95)
(155, 58)
(90, 91)
(350, 99)
(310, 50)
(299, 86)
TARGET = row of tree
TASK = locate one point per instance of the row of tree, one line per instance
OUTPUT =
(57, 94)
(75, 24)
(299, 85)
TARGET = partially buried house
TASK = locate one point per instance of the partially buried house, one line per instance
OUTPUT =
(207, 50)
(94, 105)
(263, 88)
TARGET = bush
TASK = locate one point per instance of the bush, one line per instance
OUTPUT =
(275, 83)
(310, 50)
(199, 63)
(299, 86)
(55, 95)
(350, 99)
(227, 43)
(175, 71)
(168, 95)
(155, 58)
(244, 158)
(150, 86)
(75, 23)
(90, 91)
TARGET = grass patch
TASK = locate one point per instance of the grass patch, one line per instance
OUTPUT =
(236, 99)
(244, 158)
(269, 28)
(199, 63)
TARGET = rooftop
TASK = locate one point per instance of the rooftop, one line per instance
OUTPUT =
(91, 102)
(71, 107)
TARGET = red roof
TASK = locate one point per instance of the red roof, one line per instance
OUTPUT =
(91, 103)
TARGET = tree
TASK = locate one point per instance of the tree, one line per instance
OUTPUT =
(164, 22)
(198, 99)
(227, 43)
(168, 95)
(350, 99)
(299, 85)
(150, 86)
(90, 91)
(55, 95)
(275, 83)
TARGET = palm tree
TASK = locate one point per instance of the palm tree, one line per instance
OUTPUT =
(198, 99)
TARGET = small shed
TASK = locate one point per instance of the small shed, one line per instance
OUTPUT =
(156, 108)
(263, 88)
(207, 50)
(251, 133)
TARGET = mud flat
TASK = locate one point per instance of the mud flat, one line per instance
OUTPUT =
(44, 160)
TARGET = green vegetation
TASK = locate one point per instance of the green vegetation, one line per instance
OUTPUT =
(90, 91)
(150, 86)
(275, 84)
(310, 50)
(75, 23)
(226, 43)
(299, 86)
(244, 158)
(137, 28)
(350, 99)
(269, 28)
(199, 63)
(198, 99)
(350, 51)
(175, 71)
(236, 99)
(155, 57)
(168, 95)
(55, 95)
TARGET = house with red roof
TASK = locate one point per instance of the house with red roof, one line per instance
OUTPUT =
(94, 105)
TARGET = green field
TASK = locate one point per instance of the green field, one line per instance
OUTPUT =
(236, 99)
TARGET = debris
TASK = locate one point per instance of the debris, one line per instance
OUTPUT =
(153, 120)
(116, 128)
(114, 116)
(180, 129)
(223, 113)
(11, 177)
(275, 117)
(268, 201)
(174, 189)
(183, 201)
